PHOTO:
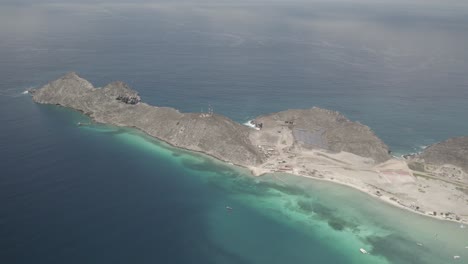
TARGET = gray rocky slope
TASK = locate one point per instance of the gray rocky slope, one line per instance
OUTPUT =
(329, 130)
(213, 134)
(453, 151)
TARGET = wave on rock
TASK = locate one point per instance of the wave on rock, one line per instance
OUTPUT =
(251, 124)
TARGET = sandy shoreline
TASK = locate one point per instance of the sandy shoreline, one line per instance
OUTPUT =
(333, 175)
(379, 193)
(392, 181)
(371, 193)
(313, 143)
(383, 196)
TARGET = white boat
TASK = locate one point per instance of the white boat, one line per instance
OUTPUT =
(456, 257)
(419, 244)
(363, 251)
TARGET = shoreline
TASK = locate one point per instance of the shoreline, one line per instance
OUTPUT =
(383, 198)
(312, 143)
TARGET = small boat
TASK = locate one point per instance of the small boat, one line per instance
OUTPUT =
(228, 208)
(363, 251)
(419, 244)
(456, 257)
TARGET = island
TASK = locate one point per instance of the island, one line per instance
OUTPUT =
(314, 143)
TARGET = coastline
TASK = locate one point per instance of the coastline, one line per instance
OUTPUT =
(302, 189)
(312, 143)
(381, 198)
(254, 173)
(372, 191)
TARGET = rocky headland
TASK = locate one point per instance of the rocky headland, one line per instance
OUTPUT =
(314, 143)
(117, 104)
(447, 160)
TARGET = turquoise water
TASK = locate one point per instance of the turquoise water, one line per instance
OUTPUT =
(102, 194)
(280, 218)
(122, 197)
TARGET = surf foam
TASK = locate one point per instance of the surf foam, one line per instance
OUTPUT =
(250, 124)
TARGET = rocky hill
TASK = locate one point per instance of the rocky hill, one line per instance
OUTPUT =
(453, 151)
(119, 105)
(314, 143)
(329, 130)
(213, 134)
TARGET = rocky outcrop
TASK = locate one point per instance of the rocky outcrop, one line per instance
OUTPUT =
(453, 151)
(119, 105)
(64, 91)
(216, 135)
(330, 130)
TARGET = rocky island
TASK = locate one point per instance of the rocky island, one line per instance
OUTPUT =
(314, 143)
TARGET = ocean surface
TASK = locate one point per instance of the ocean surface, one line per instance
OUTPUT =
(101, 194)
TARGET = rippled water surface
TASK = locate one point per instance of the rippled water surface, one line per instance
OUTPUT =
(101, 194)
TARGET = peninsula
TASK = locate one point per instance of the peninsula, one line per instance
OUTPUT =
(314, 143)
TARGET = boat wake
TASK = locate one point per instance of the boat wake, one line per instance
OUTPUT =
(14, 92)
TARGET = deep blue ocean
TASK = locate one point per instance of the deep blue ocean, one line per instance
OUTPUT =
(102, 194)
